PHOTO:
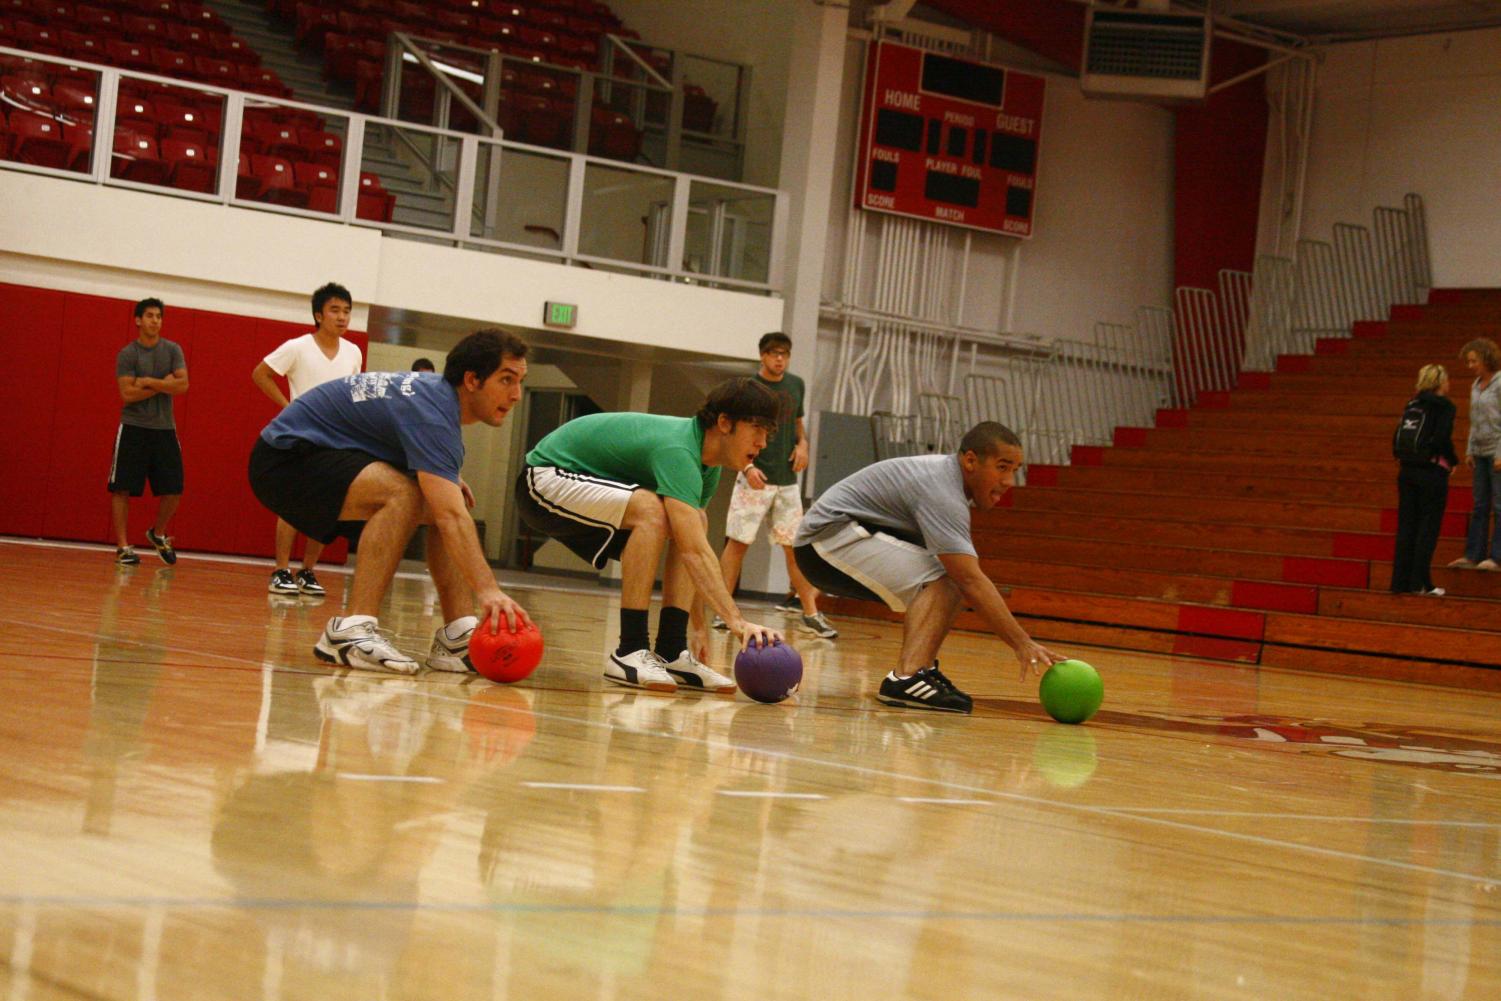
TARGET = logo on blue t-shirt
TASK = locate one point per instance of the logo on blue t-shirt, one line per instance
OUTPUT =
(377, 385)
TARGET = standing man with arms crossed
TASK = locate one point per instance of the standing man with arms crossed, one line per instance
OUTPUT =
(371, 457)
(898, 532)
(624, 486)
(149, 371)
(308, 361)
(770, 484)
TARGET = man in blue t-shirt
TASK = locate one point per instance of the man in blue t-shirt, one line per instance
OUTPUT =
(371, 457)
(898, 532)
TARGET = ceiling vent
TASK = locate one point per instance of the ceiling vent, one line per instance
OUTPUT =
(1146, 55)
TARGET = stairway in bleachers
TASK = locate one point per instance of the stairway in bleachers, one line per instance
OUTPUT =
(1258, 525)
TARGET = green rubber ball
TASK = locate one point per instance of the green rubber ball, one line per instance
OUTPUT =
(1071, 691)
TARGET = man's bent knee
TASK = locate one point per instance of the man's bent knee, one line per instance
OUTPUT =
(645, 513)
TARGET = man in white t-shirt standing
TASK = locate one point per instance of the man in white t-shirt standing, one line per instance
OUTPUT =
(308, 361)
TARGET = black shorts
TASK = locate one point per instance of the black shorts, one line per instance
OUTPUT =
(305, 486)
(143, 454)
(829, 580)
(581, 511)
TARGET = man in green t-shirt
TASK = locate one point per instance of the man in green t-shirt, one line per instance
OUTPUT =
(769, 485)
(624, 486)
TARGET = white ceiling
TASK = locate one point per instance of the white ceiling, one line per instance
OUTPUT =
(1363, 18)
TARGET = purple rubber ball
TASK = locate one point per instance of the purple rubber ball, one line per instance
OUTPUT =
(769, 673)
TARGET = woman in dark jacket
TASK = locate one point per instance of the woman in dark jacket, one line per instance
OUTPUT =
(1423, 488)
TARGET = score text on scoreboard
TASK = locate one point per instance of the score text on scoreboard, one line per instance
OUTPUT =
(948, 139)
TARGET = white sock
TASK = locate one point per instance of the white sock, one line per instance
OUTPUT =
(354, 620)
(458, 627)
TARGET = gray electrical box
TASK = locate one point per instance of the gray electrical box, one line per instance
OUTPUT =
(845, 446)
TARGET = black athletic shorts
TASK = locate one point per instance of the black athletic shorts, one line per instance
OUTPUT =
(581, 511)
(143, 454)
(828, 579)
(305, 486)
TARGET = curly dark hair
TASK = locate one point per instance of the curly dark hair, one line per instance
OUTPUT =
(740, 399)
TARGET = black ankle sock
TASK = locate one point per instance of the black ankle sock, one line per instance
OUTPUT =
(633, 632)
(672, 632)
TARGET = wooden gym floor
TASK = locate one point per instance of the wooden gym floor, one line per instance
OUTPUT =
(193, 807)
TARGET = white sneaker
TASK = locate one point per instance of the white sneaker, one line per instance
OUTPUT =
(451, 653)
(640, 669)
(353, 640)
(694, 674)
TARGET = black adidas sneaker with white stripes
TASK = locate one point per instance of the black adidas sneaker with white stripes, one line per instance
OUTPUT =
(927, 689)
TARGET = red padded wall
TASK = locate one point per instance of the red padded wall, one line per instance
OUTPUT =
(56, 452)
(32, 317)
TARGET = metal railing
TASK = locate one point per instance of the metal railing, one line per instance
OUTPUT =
(1061, 393)
(494, 194)
(1331, 286)
(673, 134)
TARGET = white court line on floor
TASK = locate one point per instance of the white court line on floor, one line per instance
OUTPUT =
(582, 787)
(877, 773)
(941, 801)
(1260, 815)
(768, 794)
(361, 777)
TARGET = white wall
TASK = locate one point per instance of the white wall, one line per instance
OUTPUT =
(751, 33)
(228, 258)
(1420, 114)
(1103, 223)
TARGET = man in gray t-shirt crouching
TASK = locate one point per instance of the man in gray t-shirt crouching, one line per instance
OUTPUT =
(898, 532)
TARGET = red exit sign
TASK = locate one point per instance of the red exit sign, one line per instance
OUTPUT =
(949, 139)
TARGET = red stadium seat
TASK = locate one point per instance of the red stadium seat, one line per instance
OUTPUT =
(80, 144)
(84, 46)
(58, 12)
(543, 122)
(192, 166)
(26, 93)
(75, 95)
(276, 140)
(188, 37)
(97, 20)
(375, 202)
(151, 30)
(40, 38)
(321, 183)
(698, 109)
(260, 80)
(236, 50)
(247, 185)
(323, 148)
(278, 183)
(612, 134)
(137, 158)
(130, 55)
(170, 62)
(138, 113)
(181, 121)
(197, 13)
(218, 71)
(38, 140)
(313, 23)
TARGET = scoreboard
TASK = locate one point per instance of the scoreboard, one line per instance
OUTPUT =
(948, 139)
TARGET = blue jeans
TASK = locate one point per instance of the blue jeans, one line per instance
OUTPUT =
(1487, 487)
